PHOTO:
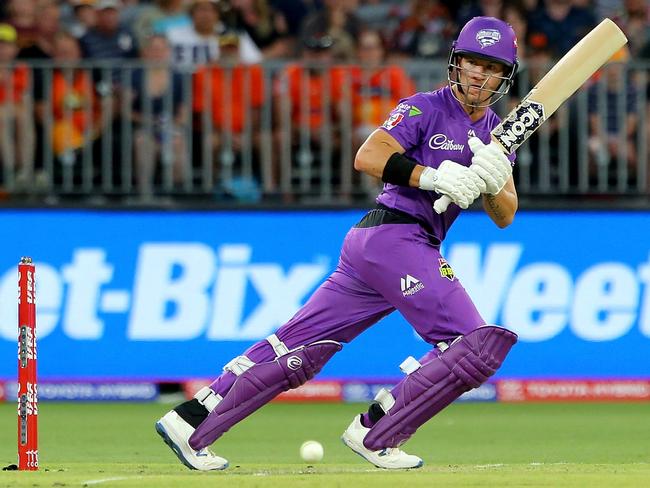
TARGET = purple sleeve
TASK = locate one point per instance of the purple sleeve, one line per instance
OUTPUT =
(403, 125)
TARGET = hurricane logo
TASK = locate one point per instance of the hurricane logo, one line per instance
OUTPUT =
(294, 362)
(488, 37)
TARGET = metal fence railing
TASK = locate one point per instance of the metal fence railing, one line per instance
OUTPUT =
(284, 131)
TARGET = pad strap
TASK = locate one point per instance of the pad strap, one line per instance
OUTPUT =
(385, 398)
(238, 365)
(278, 346)
(208, 398)
(410, 365)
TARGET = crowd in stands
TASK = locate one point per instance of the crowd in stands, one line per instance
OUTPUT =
(223, 47)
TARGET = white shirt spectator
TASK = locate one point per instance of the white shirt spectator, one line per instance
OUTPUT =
(191, 49)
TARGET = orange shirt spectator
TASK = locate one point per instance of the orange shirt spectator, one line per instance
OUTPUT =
(377, 92)
(377, 87)
(72, 95)
(241, 87)
(13, 84)
(70, 101)
(297, 81)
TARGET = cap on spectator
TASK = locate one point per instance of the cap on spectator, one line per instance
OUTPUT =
(7, 33)
(229, 38)
(82, 3)
(106, 4)
(318, 42)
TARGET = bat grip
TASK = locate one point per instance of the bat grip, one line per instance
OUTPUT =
(441, 204)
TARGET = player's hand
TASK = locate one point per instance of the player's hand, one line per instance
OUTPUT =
(454, 180)
(491, 164)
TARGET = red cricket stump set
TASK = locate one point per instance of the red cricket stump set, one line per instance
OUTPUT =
(27, 394)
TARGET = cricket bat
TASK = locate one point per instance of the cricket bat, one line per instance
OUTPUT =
(562, 81)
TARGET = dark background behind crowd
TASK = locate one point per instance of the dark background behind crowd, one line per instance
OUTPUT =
(271, 29)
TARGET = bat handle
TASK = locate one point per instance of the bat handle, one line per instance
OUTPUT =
(441, 204)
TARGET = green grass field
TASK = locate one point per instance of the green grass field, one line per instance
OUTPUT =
(473, 445)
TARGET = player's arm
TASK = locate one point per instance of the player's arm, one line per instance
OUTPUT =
(383, 157)
(374, 153)
(502, 207)
(495, 169)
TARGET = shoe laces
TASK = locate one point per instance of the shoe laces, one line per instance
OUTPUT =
(205, 452)
(391, 451)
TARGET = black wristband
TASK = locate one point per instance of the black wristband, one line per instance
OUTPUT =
(398, 170)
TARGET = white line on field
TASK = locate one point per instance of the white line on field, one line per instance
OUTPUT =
(104, 480)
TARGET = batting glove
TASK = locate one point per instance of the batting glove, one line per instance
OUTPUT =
(491, 164)
(456, 181)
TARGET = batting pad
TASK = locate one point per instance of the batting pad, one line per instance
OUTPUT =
(261, 383)
(466, 364)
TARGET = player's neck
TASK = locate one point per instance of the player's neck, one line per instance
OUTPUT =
(472, 111)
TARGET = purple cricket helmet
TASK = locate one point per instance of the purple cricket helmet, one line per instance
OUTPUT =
(491, 39)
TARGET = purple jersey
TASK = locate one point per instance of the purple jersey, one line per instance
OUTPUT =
(432, 127)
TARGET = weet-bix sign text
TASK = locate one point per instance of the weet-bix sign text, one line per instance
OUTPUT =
(174, 295)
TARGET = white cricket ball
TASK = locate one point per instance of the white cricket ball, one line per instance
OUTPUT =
(311, 451)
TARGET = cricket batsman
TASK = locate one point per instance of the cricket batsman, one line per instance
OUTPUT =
(432, 144)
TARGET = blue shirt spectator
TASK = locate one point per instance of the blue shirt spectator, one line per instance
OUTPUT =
(107, 40)
(563, 24)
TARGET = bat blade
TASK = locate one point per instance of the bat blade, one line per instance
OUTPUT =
(562, 81)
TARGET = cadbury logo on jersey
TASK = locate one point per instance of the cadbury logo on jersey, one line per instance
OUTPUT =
(488, 37)
(441, 141)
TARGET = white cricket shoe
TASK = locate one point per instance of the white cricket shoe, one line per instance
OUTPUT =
(176, 433)
(388, 458)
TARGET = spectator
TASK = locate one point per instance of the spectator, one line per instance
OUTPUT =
(160, 17)
(67, 104)
(16, 131)
(22, 16)
(337, 21)
(486, 8)
(132, 10)
(232, 94)
(312, 92)
(198, 44)
(635, 22)
(84, 18)
(607, 128)
(174, 14)
(266, 26)
(515, 14)
(426, 31)
(158, 115)
(562, 24)
(308, 76)
(378, 88)
(295, 11)
(48, 25)
(108, 43)
(107, 40)
(378, 15)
